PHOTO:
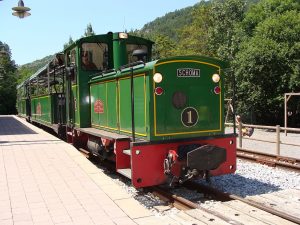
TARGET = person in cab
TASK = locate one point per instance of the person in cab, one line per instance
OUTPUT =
(87, 64)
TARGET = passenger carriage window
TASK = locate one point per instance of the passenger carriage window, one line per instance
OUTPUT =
(136, 52)
(94, 56)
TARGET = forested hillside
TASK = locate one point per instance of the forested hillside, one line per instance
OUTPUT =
(28, 69)
(169, 24)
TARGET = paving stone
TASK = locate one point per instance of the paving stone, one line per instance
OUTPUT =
(132, 208)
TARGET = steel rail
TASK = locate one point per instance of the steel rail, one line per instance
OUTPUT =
(227, 197)
(286, 162)
(185, 204)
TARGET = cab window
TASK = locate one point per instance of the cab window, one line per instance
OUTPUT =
(94, 56)
(136, 52)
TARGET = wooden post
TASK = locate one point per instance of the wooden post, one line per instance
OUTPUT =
(278, 140)
(240, 134)
(285, 114)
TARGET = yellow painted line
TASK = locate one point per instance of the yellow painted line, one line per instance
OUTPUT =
(110, 128)
(192, 132)
(103, 82)
(129, 132)
(194, 61)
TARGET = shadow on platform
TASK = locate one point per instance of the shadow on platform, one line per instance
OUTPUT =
(11, 126)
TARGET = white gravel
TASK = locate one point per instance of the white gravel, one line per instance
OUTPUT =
(254, 179)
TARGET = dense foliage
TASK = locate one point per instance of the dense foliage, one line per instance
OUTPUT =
(267, 63)
(8, 81)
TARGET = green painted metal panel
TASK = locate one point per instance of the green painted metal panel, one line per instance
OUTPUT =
(139, 105)
(199, 110)
(75, 103)
(104, 105)
(94, 97)
(112, 105)
(119, 51)
(42, 109)
(102, 97)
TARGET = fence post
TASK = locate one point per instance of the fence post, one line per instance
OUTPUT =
(278, 140)
(240, 135)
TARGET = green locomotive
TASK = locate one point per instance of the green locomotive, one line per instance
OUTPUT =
(160, 121)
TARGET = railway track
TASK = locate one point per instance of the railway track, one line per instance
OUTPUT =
(220, 197)
(184, 204)
(269, 159)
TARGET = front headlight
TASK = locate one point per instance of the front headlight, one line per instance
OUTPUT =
(157, 78)
(216, 78)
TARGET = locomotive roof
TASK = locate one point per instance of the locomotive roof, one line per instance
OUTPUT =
(41, 70)
(95, 38)
(44, 68)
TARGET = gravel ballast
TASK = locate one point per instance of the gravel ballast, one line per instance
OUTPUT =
(254, 179)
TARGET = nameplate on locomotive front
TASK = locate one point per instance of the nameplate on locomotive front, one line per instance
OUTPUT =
(188, 72)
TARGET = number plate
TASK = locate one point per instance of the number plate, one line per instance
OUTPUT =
(189, 117)
(188, 72)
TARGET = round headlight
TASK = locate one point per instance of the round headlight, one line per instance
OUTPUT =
(216, 78)
(157, 77)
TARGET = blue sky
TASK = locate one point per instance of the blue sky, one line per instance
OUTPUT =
(52, 22)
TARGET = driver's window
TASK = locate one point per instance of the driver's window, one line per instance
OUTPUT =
(131, 48)
(94, 56)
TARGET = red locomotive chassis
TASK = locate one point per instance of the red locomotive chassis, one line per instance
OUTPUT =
(147, 159)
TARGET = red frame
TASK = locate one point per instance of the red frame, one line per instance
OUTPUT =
(147, 160)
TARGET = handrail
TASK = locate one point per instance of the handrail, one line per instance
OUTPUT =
(267, 127)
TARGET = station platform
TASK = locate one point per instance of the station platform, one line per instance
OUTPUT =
(44, 180)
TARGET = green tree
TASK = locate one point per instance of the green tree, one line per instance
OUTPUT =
(225, 17)
(8, 81)
(89, 31)
(69, 42)
(193, 38)
(164, 47)
(267, 64)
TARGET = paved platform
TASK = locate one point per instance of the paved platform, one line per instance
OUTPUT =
(44, 180)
